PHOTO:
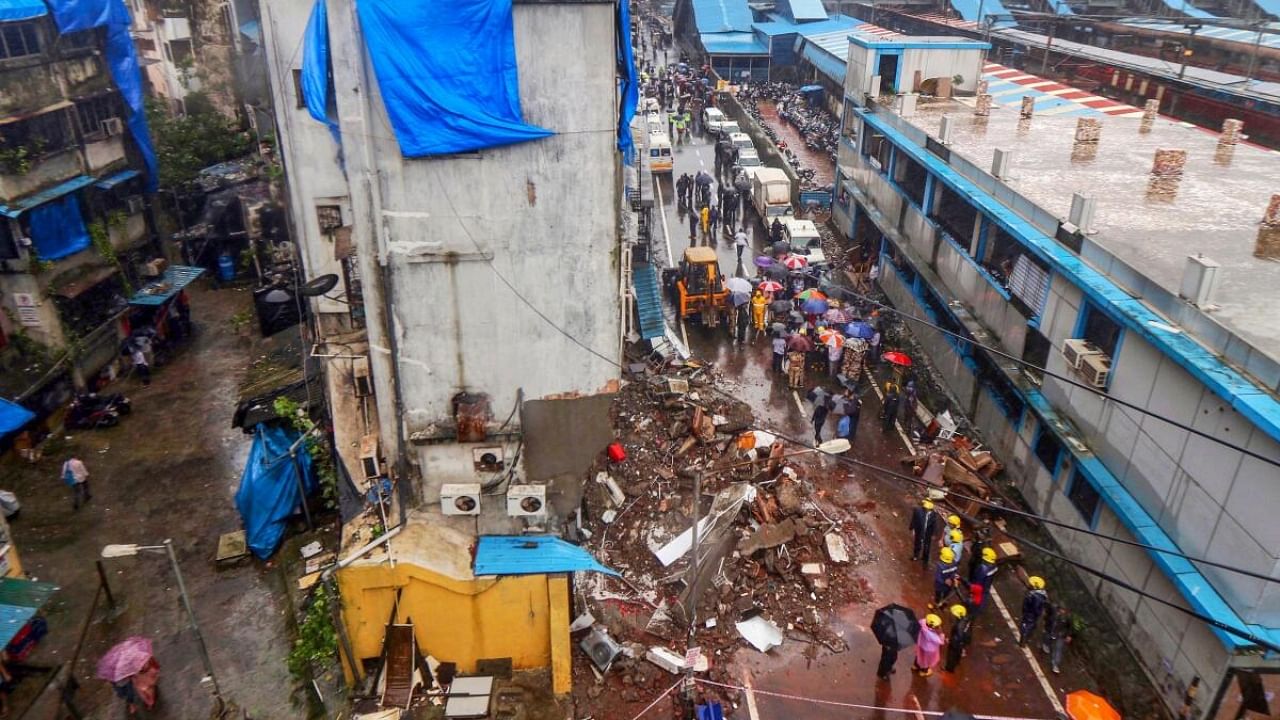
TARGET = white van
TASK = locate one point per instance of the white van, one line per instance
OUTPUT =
(804, 239)
(741, 140)
(711, 119)
(659, 152)
(655, 123)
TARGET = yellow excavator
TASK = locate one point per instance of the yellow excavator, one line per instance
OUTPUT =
(700, 288)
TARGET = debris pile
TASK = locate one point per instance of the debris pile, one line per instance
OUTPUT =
(769, 542)
(956, 464)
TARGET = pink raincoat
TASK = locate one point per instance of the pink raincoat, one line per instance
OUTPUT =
(928, 647)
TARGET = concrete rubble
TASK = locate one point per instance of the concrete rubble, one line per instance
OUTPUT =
(767, 537)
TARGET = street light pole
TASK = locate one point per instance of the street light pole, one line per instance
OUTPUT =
(191, 615)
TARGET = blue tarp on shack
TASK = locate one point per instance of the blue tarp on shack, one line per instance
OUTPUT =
(122, 59)
(13, 416)
(628, 85)
(13, 10)
(449, 80)
(532, 555)
(268, 492)
(317, 70)
(57, 228)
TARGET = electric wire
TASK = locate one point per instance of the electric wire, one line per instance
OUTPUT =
(853, 706)
(846, 293)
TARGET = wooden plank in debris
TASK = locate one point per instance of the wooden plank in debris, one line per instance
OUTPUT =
(231, 546)
(398, 690)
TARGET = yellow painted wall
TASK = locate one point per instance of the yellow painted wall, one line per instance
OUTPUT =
(461, 621)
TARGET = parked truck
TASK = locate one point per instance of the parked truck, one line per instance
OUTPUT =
(770, 193)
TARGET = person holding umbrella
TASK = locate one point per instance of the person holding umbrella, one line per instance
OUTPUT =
(895, 628)
(959, 638)
(133, 672)
(929, 644)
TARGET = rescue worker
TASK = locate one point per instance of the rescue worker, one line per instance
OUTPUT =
(959, 638)
(929, 645)
(924, 526)
(944, 576)
(704, 219)
(954, 540)
(980, 584)
(758, 307)
(1033, 606)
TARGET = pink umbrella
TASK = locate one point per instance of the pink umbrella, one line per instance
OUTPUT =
(125, 659)
(769, 286)
(795, 262)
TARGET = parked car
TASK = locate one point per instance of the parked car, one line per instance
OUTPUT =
(742, 141)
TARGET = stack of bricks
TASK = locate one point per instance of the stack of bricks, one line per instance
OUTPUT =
(1230, 132)
(1028, 106)
(1166, 173)
(983, 106)
(1268, 244)
(1088, 134)
(1149, 112)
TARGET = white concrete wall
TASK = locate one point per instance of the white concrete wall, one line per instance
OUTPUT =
(942, 62)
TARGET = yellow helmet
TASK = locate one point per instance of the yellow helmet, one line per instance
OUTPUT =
(958, 611)
(947, 555)
(1036, 582)
(988, 555)
(957, 536)
(926, 504)
(953, 520)
(932, 620)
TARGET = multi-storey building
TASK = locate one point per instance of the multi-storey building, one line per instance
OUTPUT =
(75, 234)
(474, 337)
(1132, 257)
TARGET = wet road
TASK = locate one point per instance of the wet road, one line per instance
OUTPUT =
(995, 678)
(169, 470)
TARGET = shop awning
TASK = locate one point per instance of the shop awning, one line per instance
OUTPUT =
(13, 416)
(20, 600)
(532, 555)
(115, 179)
(175, 279)
(13, 10)
(48, 194)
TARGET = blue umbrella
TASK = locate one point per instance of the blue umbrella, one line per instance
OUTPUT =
(763, 261)
(815, 307)
(739, 298)
(859, 329)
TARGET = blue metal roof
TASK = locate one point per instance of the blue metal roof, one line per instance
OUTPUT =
(1240, 35)
(12, 10)
(1246, 397)
(115, 179)
(20, 600)
(779, 25)
(53, 193)
(722, 16)
(532, 555)
(734, 43)
(799, 10)
(825, 61)
(175, 279)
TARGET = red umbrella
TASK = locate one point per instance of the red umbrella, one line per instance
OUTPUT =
(769, 286)
(795, 262)
(125, 659)
(897, 358)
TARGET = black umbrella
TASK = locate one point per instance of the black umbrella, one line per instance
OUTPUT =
(777, 272)
(780, 306)
(896, 626)
(782, 247)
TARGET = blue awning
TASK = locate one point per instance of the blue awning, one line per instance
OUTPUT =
(12, 10)
(13, 416)
(115, 179)
(532, 555)
(20, 600)
(48, 194)
(175, 279)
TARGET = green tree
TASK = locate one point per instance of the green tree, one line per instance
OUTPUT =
(186, 144)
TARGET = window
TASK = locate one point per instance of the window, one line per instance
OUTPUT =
(92, 112)
(179, 51)
(1085, 497)
(1098, 328)
(39, 135)
(876, 149)
(911, 177)
(1035, 350)
(1048, 449)
(297, 88)
(19, 40)
(954, 215)
(83, 40)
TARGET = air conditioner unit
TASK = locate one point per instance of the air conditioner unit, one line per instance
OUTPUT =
(488, 459)
(1095, 369)
(112, 126)
(1074, 350)
(460, 499)
(360, 380)
(370, 465)
(527, 501)
(135, 204)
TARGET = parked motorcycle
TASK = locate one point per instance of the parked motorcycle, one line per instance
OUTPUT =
(90, 410)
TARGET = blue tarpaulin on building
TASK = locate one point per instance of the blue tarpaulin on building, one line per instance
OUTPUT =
(57, 228)
(51, 193)
(13, 10)
(628, 86)
(122, 59)
(449, 80)
(174, 280)
(532, 555)
(317, 70)
(268, 492)
(13, 416)
(115, 179)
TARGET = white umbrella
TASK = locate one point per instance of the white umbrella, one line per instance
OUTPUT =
(738, 285)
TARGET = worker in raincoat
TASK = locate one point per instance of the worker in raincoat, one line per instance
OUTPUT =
(954, 539)
(944, 576)
(959, 638)
(1033, 606)
(758, 306)
(929, 645)
(980, 583)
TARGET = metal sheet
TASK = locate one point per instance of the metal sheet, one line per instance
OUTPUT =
(532, 555)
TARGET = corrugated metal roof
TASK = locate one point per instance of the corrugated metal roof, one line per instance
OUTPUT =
(532, 555)
(175, 279)
(48, 194)
(115, 179)
(722, 16)
(806, 10)
(825, 60)
(1240, 35)
(733, 44)
(19, 602)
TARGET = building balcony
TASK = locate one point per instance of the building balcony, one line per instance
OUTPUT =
(103, 152)
(46, 170)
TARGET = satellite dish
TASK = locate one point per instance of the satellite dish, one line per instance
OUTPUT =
(318, 286)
